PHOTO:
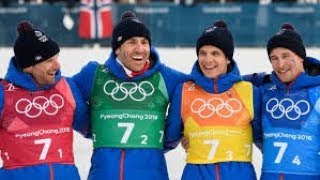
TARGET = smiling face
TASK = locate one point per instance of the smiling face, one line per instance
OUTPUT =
(286, 64)
(44, 73)
(134, 53)
(212, 61)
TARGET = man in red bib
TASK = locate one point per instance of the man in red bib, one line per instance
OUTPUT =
(39, 110)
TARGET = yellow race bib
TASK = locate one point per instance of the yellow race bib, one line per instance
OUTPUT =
(218, 126)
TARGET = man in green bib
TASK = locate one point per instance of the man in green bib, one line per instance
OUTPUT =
(129, 96)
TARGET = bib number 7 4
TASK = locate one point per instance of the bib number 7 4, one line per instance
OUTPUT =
(283, 146)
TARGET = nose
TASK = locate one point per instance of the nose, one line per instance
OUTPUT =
(209, 59)
(56, 63)
(139, 47)
(281, 63)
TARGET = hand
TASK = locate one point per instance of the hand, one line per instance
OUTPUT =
(185, 143)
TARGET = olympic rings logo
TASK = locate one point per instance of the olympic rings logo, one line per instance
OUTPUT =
(273, 106)
(40, 103)
(133, 90)
(216, 105)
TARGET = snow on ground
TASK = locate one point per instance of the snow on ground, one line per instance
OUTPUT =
(72, 59)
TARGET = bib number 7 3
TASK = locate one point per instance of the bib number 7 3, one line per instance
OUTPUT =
(229, 154)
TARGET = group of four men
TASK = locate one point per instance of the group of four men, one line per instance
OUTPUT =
(122, 105)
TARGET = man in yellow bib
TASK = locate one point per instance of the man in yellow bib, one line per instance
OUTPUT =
(216, 112)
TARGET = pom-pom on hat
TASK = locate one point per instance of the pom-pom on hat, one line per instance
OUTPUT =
(288, 38)
(129, 26)
(32, 46)
(219, 36)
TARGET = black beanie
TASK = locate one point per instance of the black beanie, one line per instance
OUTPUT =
(288, 38)
(32, 46)
(218, 36)
(129, 26)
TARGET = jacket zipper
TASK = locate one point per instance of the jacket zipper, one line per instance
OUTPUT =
(289, 85)
(51, 171)
(281, 176)
(123, 152)
(215, 86)
(217, 170)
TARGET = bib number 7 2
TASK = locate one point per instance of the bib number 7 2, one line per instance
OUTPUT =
(129, 128)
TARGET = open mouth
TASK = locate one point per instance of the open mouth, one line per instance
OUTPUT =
(52, 74)
(137, 58)
(282, 72)
(210, 67)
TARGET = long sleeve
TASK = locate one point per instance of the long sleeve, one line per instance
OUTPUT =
(84, 79)
(257, 121)
(257, 79)
(174, 123)
(81, 120)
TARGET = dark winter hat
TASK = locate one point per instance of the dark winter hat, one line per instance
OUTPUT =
(218, 36)
(32, 46)
(128, 27)
(288, 38)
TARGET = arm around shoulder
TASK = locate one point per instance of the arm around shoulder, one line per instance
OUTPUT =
(257, 79)
(173, 78)
(81, 118)
(257, 120)
(174, 124)
(84, 79)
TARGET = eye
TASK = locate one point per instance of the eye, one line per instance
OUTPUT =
(273, 58)
(144, 42)
(215, 53)
(286, 56)
(131, 42)
(201, 53)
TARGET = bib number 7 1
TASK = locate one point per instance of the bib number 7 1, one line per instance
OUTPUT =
(46, 146)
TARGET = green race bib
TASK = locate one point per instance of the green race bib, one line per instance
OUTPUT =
(128, 114)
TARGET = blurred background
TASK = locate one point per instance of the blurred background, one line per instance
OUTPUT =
(173, 23)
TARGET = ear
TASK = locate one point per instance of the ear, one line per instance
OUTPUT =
(117, 51)
(302, 60)
(27, 69)
(228, 61)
